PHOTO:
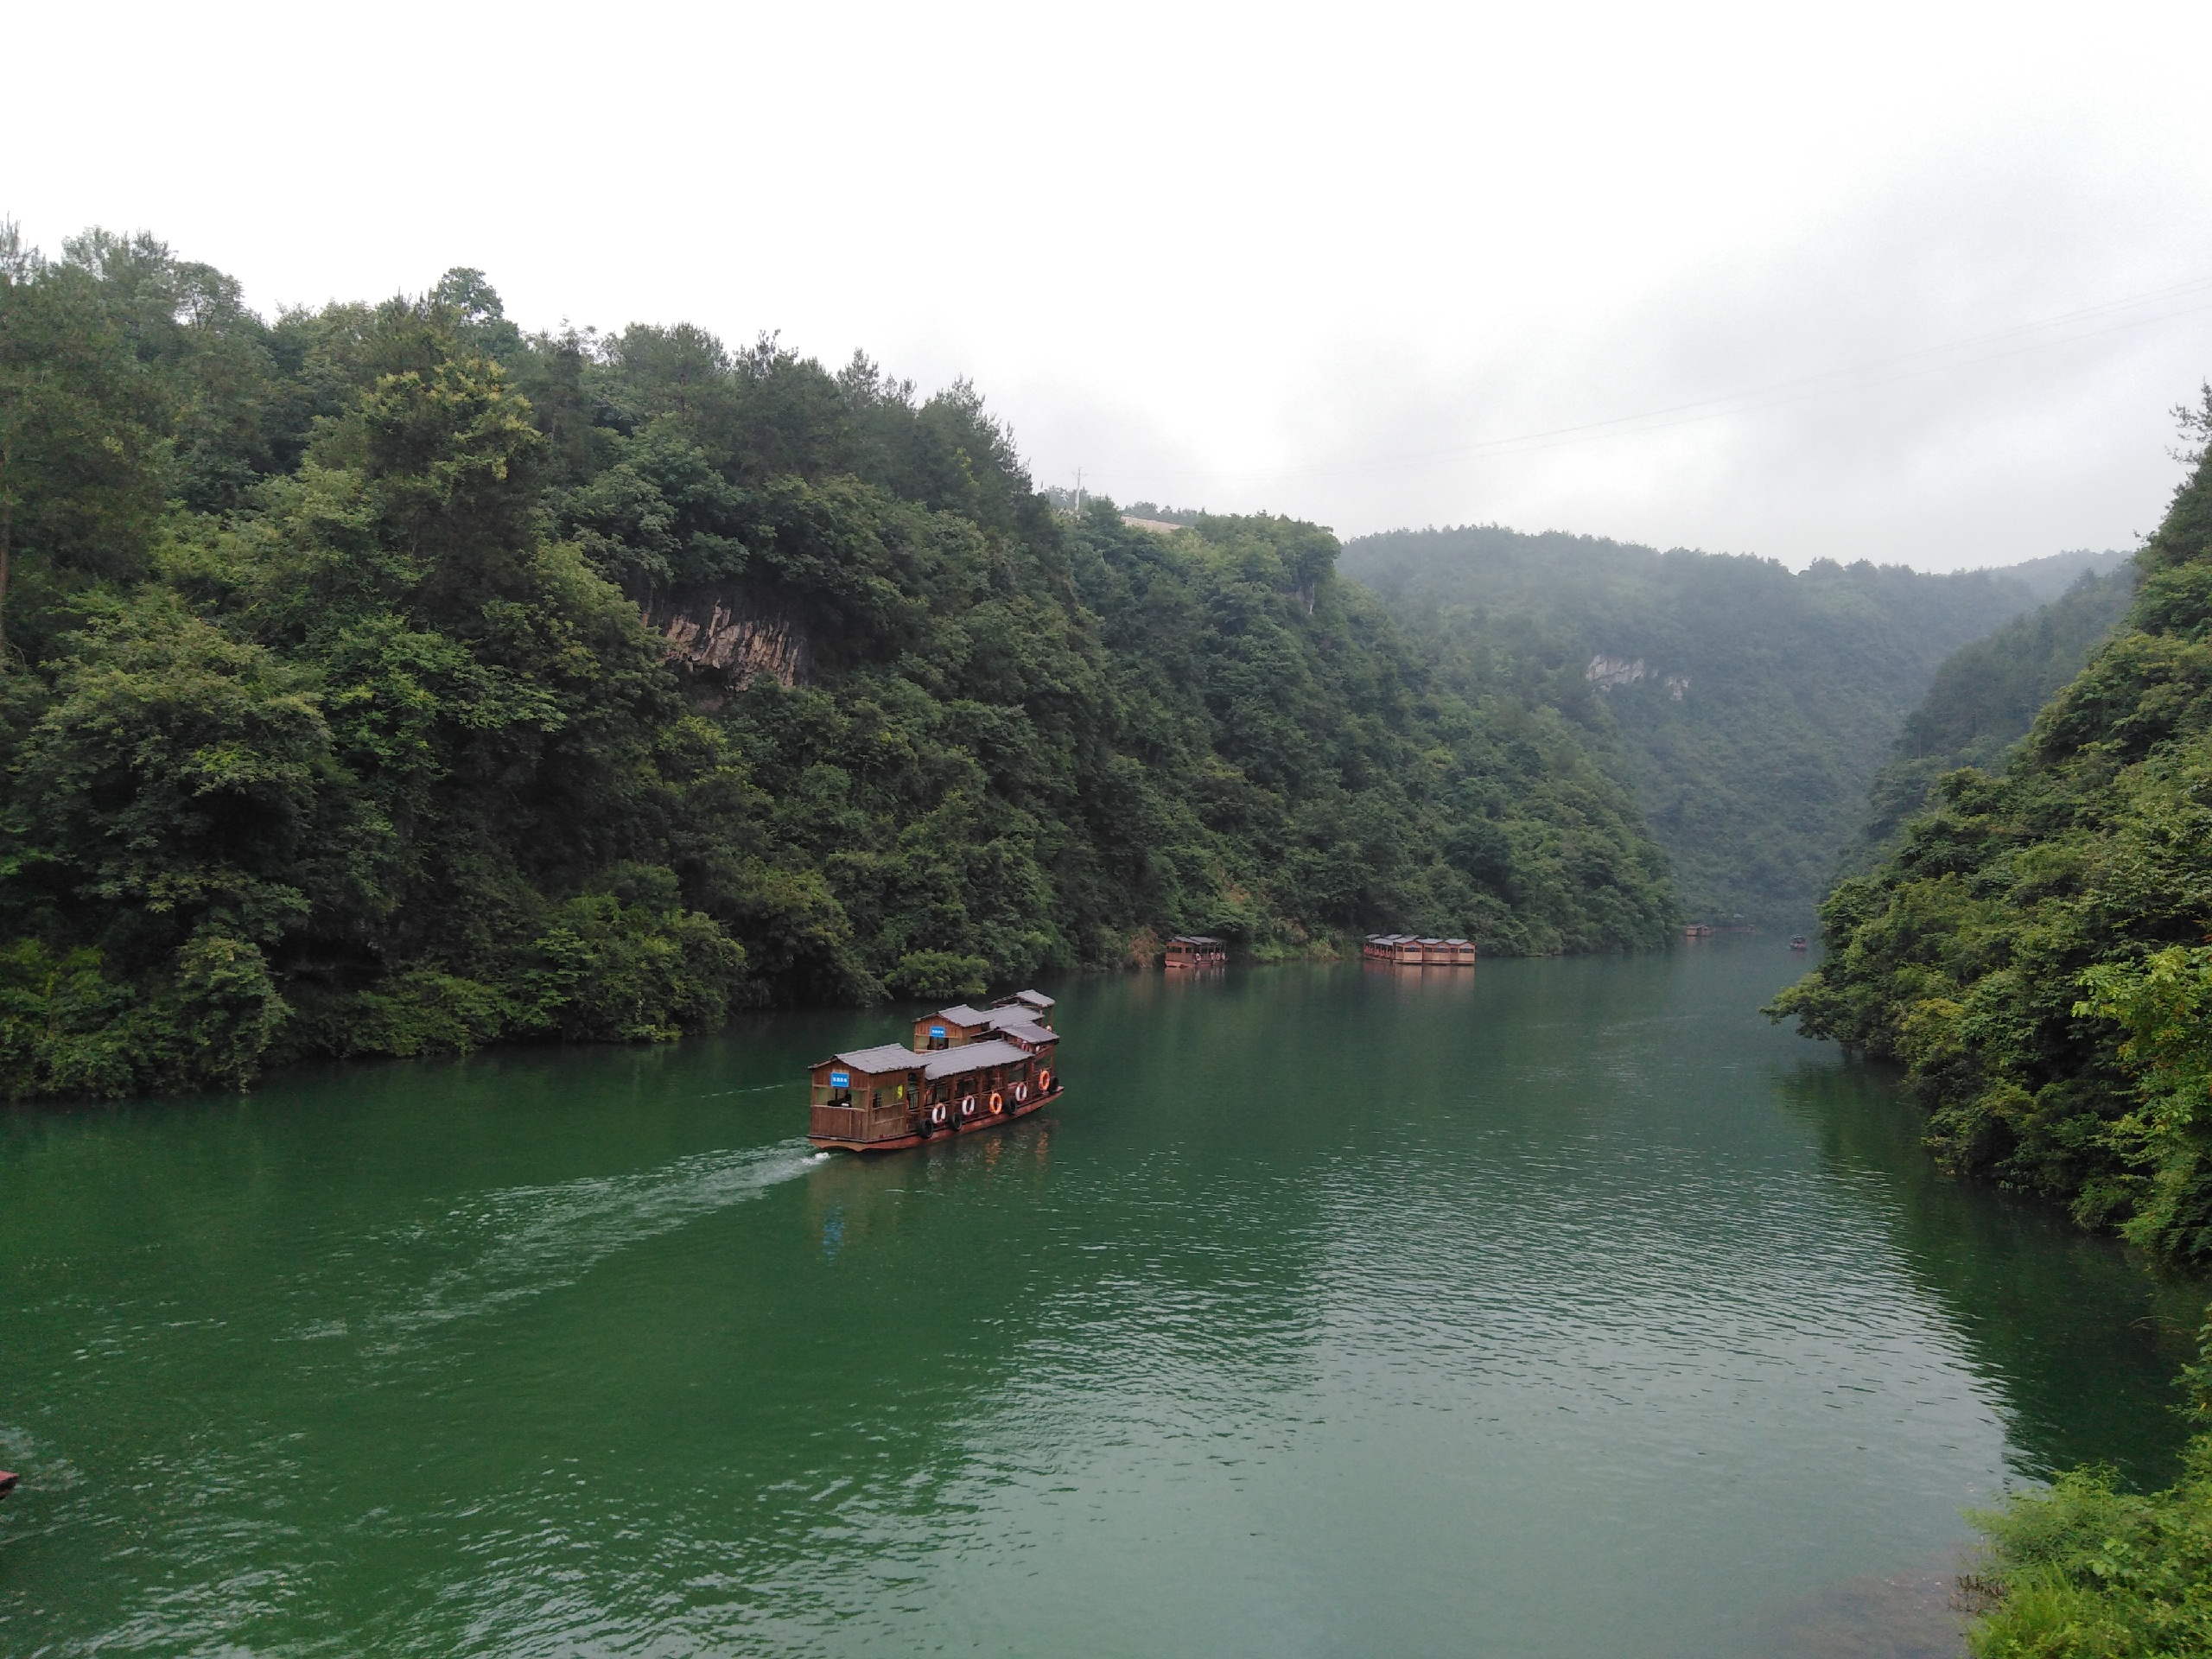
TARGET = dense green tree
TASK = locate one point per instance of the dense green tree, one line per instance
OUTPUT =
(83, 470)
(399, 682)
(2027, 951)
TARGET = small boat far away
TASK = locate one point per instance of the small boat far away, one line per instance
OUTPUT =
(1797, 941)
(1196, 950)
(968, 1069)
(1412, 950)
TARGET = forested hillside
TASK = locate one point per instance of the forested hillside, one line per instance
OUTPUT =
(2054, 576)
(2034, 952)
(379, 679)
(1754, 706)
(1986, 697)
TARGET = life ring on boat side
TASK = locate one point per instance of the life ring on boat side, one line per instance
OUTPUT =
(1043, 1082)
(937, 1114)
(967, 1106)
(1021, 1091)
(998, 1103)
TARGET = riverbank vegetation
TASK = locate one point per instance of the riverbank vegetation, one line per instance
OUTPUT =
(379, 679)
(1753, 705)
(2034, 951)
(2090, 1570)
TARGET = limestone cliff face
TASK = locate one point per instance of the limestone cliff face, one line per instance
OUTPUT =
(1607, 672)
(720, 637)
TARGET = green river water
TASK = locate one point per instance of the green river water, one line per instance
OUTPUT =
(1544, 1308)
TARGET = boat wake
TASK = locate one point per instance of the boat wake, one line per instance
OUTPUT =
(521, 1241)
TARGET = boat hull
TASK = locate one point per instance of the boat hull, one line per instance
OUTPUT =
(899, 1143)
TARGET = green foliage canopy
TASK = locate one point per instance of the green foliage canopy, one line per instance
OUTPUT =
(384, 680)
(2030, 952)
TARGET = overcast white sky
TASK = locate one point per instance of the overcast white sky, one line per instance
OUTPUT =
(1312, 259)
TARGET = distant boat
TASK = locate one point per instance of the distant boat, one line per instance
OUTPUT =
(968, 1069)
(1412, 950)
(1197, 951)
(1797, 941)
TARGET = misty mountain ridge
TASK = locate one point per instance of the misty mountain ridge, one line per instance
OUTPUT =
(2055, 574)
(1985, 698)
(1753, 705)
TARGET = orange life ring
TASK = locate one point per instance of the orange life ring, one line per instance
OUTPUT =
(1043, 1082)
(967, 1106)
(936, 1114)
(998, 1103)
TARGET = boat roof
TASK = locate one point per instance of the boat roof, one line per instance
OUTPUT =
(961, 1014)
(1028, 999)
(884, 1057)
(951, 1062)
(1026, 1031)
(1194, 939)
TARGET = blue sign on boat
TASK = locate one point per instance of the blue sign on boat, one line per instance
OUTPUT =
(937, 1031)
(841, 1080)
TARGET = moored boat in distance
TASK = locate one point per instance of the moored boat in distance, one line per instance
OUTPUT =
(1412, 950)
(968, 1069)
(1196, 950)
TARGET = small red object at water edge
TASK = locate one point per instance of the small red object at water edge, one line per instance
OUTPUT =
(8, 1483)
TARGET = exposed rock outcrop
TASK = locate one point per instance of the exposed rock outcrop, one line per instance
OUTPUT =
(718, 636)
(1608, 672)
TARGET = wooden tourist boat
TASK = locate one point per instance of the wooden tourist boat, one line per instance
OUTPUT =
(1196, 950)
(969, 1069)
(1412, 950)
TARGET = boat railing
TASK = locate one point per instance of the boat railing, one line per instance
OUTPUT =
(857, 1122)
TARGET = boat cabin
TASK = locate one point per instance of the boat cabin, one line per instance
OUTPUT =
(951, 1028)
(1197, 951)
(977, 1081)
(1038, 1005)
(1028, 1035)
(866, 1094)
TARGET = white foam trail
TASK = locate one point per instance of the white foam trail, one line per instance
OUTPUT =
(544, 1237)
